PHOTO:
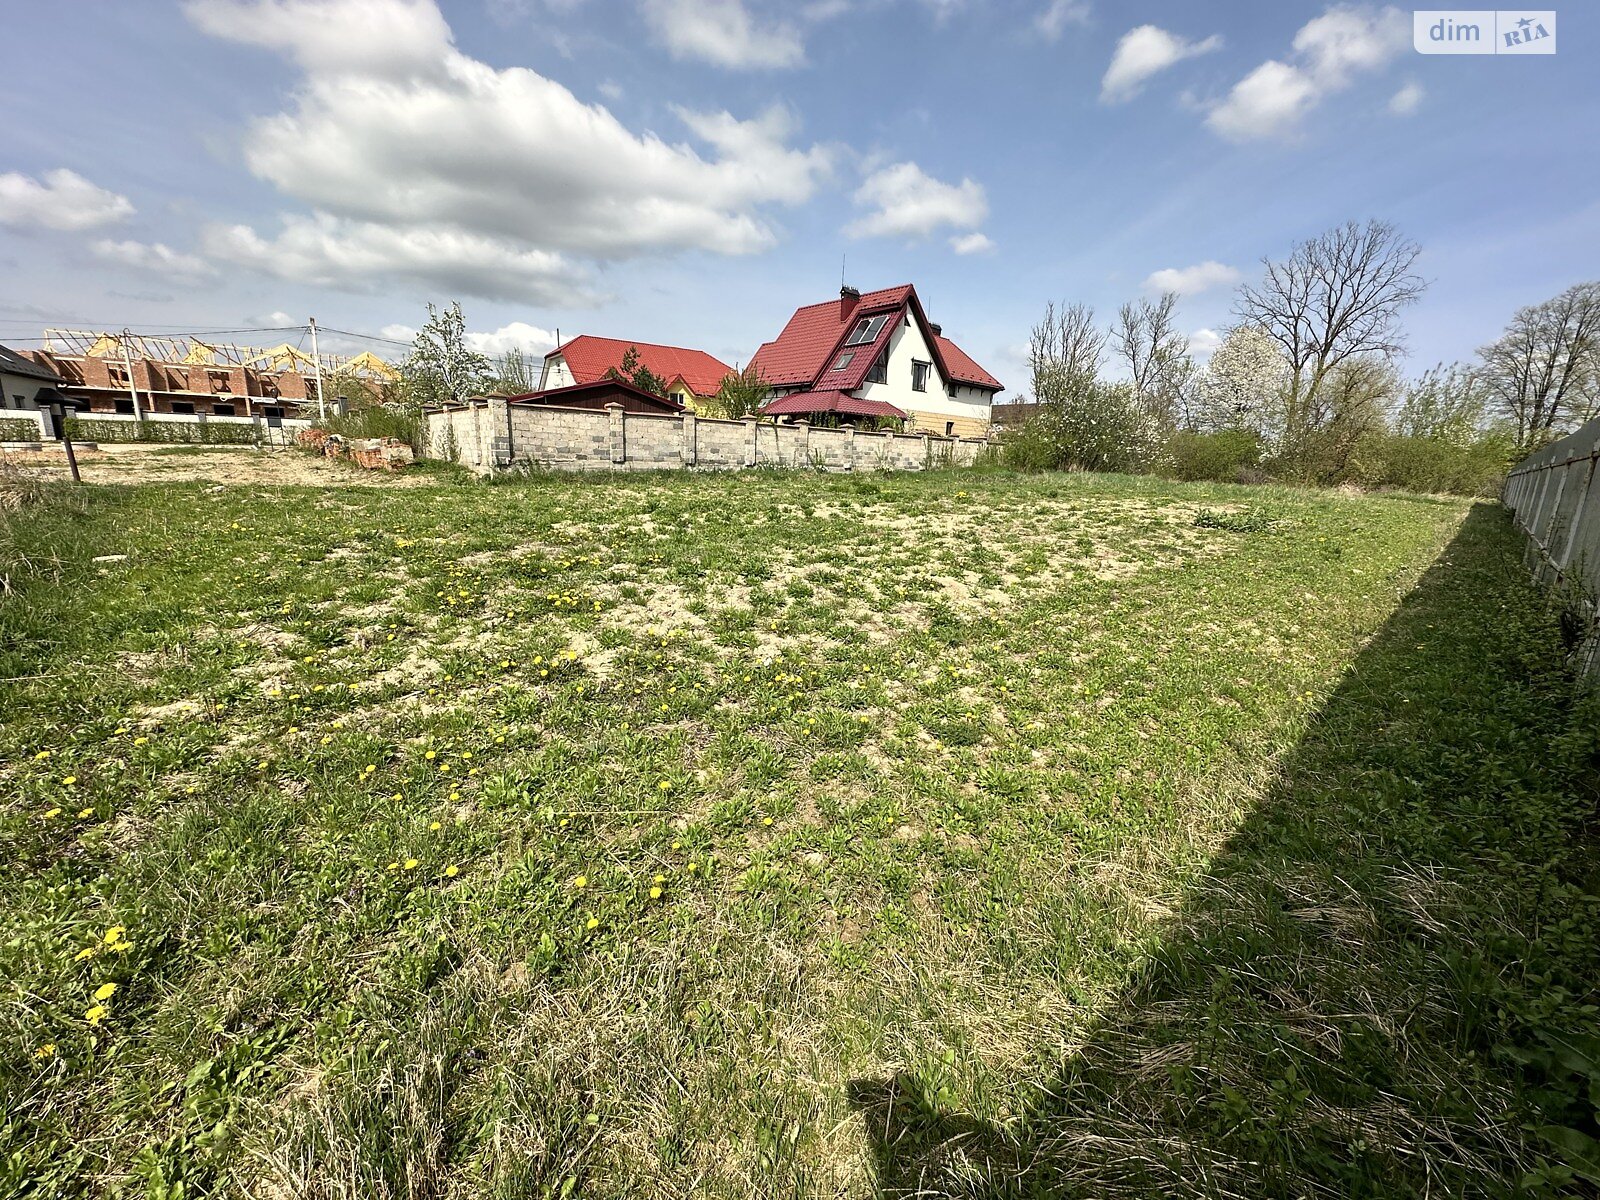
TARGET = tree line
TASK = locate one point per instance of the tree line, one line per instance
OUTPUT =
(1307, 385)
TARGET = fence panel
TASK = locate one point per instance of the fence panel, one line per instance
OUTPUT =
(1554, 498)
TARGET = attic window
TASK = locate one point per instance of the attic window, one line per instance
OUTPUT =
(844, 360)
(867, 329)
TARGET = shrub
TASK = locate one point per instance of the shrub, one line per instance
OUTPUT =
(1089, 426)
(19, 429)
(408, 425)
(1229, 456)
(1423, 464)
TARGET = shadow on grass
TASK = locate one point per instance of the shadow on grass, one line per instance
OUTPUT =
(1379, 987)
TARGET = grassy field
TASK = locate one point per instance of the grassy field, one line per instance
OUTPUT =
(783, 835)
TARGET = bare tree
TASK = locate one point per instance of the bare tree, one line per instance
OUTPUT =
(1336, 298)
(1147, 339)
(1446, 403)
(1065, 350)
(1543, 372)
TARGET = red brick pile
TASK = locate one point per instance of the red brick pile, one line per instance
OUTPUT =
(370, 454)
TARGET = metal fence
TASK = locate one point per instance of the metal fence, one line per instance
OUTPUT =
(1554, 498)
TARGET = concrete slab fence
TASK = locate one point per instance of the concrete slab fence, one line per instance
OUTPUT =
(1554, 500)
(497, 435)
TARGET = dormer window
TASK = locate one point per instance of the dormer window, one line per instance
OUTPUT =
(867, 330)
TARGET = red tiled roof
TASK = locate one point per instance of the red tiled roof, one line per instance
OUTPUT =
(830, 401)
(962, 368)
(806, 345)
(589, 357)
(813, 341)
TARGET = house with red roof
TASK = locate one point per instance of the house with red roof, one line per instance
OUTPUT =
(875, 356)
(693, 377)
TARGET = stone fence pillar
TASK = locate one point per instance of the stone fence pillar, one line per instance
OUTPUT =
(802, 443)
(691, 435)
(752, 427)
(500, 448)
(619, 433)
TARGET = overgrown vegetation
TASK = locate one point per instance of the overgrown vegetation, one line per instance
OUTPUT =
(757, 834)
(1307, 387)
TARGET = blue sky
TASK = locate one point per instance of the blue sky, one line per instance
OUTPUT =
(691, 170)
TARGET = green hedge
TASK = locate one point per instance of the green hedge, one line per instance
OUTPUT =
(210, 433)
(19, 429)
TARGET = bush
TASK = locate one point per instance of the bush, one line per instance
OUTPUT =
(1420, 464)
(1090, 426)
(180, 433)
(1230, 456)
(19, 429)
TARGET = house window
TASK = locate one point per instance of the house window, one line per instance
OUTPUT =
(880, 369)
(844, 360)
(183, 408)
(218, 380)
(125, 406)
(951, 391)
(867, 329)
(919, 376)
(949, 428)
(222, 410)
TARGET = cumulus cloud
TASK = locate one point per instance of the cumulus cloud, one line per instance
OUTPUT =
(518, 335)
(723, 33)
(1190, 281)
(971, 243)
(424, 165)
(156, 258)
(1407, 100)
(1203, 341)
(908, 202)
(1144, 52)
(1329, 52)
(1053, 20)
(61, 199)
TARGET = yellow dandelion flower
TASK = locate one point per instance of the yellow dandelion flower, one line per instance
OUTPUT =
(140, 741)
(395, 865)
(70, 780)
(85, 812)
(96, 1014)
(411, 864)
(580, 882)
(105, 991)
(52, 814)
(655, 893)
(435, 825)
(429, 756)
(766, 820)
(592, 923)
(86, 952)
(48, 1050)
(693, 867)
(664, 785)
(42, 755)
(114, 934)
(452, 871)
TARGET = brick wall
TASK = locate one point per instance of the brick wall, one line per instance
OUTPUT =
(488, 436)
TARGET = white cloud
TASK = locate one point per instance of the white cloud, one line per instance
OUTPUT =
(1190, 281)
(518, 335)
(423, 165)
(611, 90)
(911, 203)
(971, 243)
(156, 258)
(64, 200)
(1329, 52)
(1407, 100)
(1052, 22)
(1143, 52)
(1203, 341)
(723, 33)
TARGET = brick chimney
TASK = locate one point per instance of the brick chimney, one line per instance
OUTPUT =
(849, 297)
(938, 330)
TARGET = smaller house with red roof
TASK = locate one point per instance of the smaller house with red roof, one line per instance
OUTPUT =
(693, 377)
(875, 356)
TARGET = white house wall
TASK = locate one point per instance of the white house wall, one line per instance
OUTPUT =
(556, 373)
(907, 345)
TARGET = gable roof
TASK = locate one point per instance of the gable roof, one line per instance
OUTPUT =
(13, 363)
(556, 397)
(830, 401)
(813, 341)
(589, 357)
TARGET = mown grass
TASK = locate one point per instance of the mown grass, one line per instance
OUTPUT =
(784, 835)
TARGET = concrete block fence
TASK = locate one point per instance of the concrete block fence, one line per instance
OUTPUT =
(496, 435)
(1554, 500)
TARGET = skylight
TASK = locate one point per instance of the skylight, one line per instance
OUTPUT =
(867, 329)
(844, 360)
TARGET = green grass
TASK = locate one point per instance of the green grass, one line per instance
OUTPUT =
(786, 835)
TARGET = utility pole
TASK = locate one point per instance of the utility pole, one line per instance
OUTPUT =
(127, 365)
(316, 362)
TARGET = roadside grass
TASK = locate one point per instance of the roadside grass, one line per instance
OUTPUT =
(785, 835)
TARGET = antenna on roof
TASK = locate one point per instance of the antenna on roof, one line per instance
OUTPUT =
(842, 258)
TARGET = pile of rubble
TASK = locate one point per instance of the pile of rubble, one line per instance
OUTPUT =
(372, 454)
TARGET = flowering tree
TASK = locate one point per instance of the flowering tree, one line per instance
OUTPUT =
(1243, 385)
(442, 368)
